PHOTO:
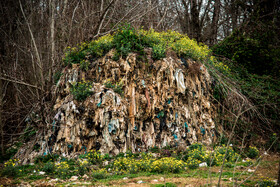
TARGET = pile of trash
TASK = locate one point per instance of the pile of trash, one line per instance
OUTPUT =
(134, 104)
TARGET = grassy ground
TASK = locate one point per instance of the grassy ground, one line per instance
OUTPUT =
(267, 170)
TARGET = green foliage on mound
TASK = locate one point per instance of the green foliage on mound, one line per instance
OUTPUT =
(128, 39)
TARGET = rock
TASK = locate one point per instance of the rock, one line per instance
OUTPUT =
(154, 155)
(53, 180)
(139, 182)
(42, 172)
(161, 179)
(73, 178)
(105, 163)
(203, 164)
(251, 170)
(125, 178)
(155, 180)
(85, 177)
(265, 153)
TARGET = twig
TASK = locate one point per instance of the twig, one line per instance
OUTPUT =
(20, 82)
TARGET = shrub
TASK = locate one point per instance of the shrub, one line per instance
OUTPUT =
(266, 182)
(81, 90)
(83, 166)
(158, 51)
(220, 153)
(118, 87)
(62, 170)
(167, 164)
(253, 152)
(94, 157)
(100, 174)
(248, 162)
(84, 64)
(193, 163)
(127, 40)
(11, 169)
(49, 167)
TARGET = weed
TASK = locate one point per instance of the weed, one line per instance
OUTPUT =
(81, 90)
(62, 169)
(168, 184)
(84, 64)
(48, 167)
(99, 174)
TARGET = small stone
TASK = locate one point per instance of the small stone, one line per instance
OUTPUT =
(161, 179)
(42, 172)
(105, 163)
(85, 177)
(73, 178)
(139, 182)
(154, 155)
(155, 180)
(265, 153)
(251, 170)
(31, 164)
(203, 164)
(125, 178)
(53, 180)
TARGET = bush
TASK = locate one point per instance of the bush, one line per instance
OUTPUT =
(193, 163)
(167, 165)
(99, 174)
(83, 166)
(84, 64)
(220, 153)
(48, 167)
(118, 87)
(253, 152)
(158, 51)
(94, 157)
(266, 182)
(62, 170)
(81, 90)
(11, 169)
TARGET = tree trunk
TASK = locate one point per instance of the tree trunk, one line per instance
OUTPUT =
(195, 26)
(1, 122)
(234, 14)
(215, 21)
(52, 6)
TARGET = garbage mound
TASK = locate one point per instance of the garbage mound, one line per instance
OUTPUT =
(132, 105)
